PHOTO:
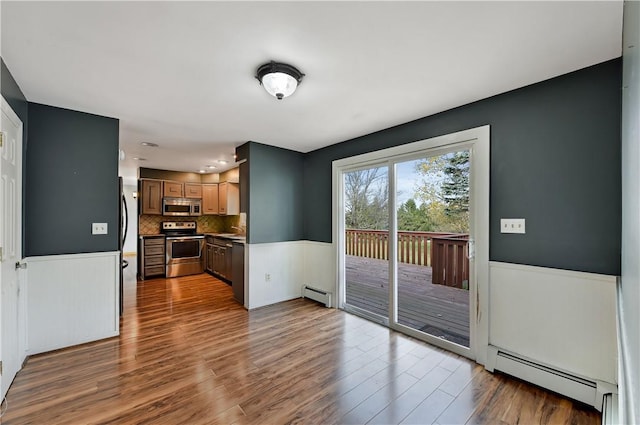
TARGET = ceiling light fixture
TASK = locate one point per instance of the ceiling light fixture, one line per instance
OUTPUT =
(222, 161)
(211, 166)
(149, 144)
(139, 159)
(279, 79)
(202, 171)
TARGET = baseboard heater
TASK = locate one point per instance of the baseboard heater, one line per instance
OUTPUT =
(316, 294)
(578, 388)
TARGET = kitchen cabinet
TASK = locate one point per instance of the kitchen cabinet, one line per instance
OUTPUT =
(220, 258)
(152, 256)
(173, 189)
(237, 272)
(229, 198)
(208, 254)
(150, 197)
(193, 190)
(210, 198)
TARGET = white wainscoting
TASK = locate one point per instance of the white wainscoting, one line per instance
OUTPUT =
(72, 299)
(562, 319)
(320, 268)
(283, 262)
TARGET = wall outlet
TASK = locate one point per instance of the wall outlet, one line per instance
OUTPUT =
(267, 277)
(512, 225)
(99, 229)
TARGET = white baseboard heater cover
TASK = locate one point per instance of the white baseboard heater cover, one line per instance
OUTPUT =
(316, 294)
(578, 388)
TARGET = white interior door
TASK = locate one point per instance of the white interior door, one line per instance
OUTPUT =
(12, 317)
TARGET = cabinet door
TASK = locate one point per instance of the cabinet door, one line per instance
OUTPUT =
(173, 189)
(222, 198)
(233, 199)
(151, 197)
(229, 197)
(223, 261)
(192, 190)
(210, 199)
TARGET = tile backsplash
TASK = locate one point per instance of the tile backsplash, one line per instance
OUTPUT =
(150, 224)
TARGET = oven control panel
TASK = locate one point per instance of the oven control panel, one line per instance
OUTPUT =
(178, 225)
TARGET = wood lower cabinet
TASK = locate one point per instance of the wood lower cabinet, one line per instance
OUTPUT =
(152, 256)
(193, 190)
(151, 197)
(208, 254)
(210, 198)
(173, 189)
(229, 198)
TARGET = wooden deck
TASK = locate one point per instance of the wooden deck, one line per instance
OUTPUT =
(438, 310)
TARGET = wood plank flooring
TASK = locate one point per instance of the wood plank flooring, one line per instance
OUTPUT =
(439, 310)
(189, 354)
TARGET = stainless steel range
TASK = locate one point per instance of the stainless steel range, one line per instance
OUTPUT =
(184, 248)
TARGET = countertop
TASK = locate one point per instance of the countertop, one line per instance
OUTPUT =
(229, 236)
(157, 235)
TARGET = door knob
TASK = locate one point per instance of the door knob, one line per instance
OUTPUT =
(20, 265)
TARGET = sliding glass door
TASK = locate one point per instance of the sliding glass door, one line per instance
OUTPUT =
(432, 222)
(406, 228)
(366, 222)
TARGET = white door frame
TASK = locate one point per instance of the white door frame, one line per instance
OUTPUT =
(12, 252)
(477, 140)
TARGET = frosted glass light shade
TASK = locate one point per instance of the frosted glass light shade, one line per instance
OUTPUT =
(279, 84)
(279, 79)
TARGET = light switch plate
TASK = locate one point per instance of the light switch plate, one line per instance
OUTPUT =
(99, 229)
(512, 225)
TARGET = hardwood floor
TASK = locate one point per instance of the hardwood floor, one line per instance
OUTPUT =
(189, 354)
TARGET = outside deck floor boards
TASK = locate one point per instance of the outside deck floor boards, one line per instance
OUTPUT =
(439, 310)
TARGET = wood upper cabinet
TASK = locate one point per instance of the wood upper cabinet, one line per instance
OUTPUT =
(151, 196)
(173, 189)
(210, 198)
(192, 190)
(229, 199)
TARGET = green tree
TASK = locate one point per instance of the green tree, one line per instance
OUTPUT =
(455, 188)
(366, 199)
(413, 218)
(444, 190)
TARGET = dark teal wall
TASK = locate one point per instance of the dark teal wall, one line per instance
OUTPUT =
(555, 161)
(275, 185)
(72, 169)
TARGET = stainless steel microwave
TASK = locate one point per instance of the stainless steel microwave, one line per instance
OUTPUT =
(183, 207)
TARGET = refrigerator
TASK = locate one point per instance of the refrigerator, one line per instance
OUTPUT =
(123, 226)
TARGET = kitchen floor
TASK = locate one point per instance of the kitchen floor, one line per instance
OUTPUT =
(188, 353)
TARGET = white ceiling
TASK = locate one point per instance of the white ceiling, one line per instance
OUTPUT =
(181, 74)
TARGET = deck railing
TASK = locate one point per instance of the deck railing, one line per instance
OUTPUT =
(446, 253)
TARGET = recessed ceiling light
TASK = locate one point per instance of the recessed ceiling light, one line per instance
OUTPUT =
(211, 166)
(222, 161)
(149, 144)
(202, 171)
(139, 159)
